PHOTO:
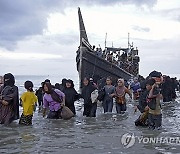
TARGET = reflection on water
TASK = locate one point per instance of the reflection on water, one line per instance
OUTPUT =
(101, 135)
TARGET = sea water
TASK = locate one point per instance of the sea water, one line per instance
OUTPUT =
(105, 134)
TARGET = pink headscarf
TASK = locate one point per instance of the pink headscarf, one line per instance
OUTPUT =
(120, 90)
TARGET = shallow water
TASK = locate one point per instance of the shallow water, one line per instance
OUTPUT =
(100, 135)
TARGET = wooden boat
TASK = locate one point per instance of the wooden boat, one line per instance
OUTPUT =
(90, 64)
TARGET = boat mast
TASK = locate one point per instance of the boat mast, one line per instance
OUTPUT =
(105, 40)
(128, 42)
(83, 42)
(82, 29)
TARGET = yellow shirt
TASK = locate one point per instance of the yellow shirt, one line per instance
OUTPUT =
(28, 101)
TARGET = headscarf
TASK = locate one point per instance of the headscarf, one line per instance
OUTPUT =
(120, 90)
(9, 80)
(53, 94)
(71, 82)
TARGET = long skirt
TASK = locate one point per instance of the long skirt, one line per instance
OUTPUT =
(90, 110)
(6, 114)
(25, 119)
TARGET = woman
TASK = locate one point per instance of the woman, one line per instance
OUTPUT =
(53, 100)
(71, 95)
(9, 100)
(120, 93)
(108, 98)
(89, 107)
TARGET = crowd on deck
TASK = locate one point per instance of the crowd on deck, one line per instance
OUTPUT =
(121, 58)
(126, 59)
(57, 101)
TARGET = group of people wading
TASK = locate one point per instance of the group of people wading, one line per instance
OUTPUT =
(59, 99)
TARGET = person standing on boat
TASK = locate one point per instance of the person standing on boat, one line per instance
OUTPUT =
(108, 98)
(71, 95)
(120, 92)
(89, 107)
(9, 100)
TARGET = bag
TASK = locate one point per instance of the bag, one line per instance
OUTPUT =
(94, 96)
(66, 113)
(120, 100)
(101, 94)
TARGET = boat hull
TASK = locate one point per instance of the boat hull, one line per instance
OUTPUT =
(91, 66)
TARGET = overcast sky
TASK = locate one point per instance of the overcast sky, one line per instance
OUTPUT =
(40, 37)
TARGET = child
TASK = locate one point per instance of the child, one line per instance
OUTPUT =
(29, 101)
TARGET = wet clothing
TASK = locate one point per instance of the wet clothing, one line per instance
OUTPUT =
(48, 101)
(142, 100)
(154, 116)
(155, 121)
(71, 96)
(167, 90)
(108, 101)
(25, 119)
(39, 94)
(54, 114)
(120, 108)
(120, 98)
(9, 112)
(29, 100)
(89, 107)
(142, 119)
(6, 94)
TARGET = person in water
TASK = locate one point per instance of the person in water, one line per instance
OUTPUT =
(29, 102)
(63, 84)
(136, 88)
(39, 93)
(120, 92)
(53, 100)
(153, 105)
(143, 118)
(89, 107)
(9, 100)
(108, 98)
(71, 95)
